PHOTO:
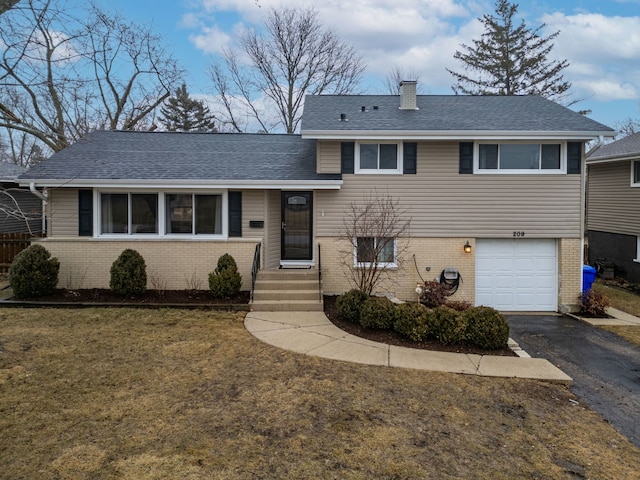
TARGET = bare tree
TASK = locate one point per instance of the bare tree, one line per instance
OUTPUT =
(63, 74)
(395, 76)
(628, 127)
(375, 233)
(296, 56)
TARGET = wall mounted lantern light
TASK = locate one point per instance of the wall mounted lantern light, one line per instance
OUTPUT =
(467, 247)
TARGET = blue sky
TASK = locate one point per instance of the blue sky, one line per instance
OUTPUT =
(599, 38)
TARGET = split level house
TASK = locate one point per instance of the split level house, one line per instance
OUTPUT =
(613, 208)
(493, 186)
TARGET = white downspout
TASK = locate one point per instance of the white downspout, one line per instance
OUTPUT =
(44, 198)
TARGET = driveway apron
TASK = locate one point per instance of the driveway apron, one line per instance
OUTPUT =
(605, 368)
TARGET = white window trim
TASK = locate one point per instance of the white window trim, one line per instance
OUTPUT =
(357, 264)
(637, 259)
(633, 182)
(97, 215)
(485, 171)
(371, 171)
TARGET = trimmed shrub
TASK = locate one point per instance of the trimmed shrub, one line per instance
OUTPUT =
(378, 313)
(459, 305)
(225, 281)
(434, 294)
(486, 327)
(33, 272)
(447, 325)
(411, 321)
(594, 303)
(348, 305)
(129, 274)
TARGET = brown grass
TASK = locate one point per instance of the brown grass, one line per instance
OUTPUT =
(155, 394)
(620, 299)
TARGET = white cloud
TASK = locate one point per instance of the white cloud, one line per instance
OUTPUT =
(211, 40)
(603, 52)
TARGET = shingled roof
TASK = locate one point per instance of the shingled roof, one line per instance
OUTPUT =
(182, 158)
(623, 149)
(444, 115)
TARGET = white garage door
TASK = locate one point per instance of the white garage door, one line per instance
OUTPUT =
(517, 274)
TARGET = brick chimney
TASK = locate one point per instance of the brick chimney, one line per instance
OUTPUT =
(408, 95)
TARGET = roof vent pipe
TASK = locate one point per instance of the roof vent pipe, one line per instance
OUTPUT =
(343, 117)
(408, 95)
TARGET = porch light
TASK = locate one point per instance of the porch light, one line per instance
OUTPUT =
(467, 247)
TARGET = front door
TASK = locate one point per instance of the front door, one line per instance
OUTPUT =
(297, 221)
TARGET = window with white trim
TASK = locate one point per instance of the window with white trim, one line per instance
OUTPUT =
(520, 158)
(129, 213)
(370, 250)
(635, 173)
(383, 157)
(193, 214)
(161, 213)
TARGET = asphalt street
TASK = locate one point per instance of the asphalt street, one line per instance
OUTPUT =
(605, 368)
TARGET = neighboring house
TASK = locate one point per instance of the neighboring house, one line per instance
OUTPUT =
(502, 174)
(613, 207)
(20, 210)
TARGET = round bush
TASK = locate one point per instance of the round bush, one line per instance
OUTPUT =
(129, 274)
(447, 325)
(486, 327)
(33, 272)
(225, 281)
(378, 313)
(348, 305)
(411, 321)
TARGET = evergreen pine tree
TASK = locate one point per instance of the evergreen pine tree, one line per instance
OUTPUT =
(181, 113)
(510, 60)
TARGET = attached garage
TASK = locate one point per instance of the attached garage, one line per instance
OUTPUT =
(517, 274)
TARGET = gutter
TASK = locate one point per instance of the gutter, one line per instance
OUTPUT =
(44, 198)
(595, 148)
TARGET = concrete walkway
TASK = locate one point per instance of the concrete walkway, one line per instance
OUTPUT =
(312, 333)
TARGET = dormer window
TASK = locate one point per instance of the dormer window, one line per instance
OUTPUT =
(376, 158)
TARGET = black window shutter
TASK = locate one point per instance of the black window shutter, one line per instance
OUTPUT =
(85, 213)
(466, 157)
(410, 158)
(574, 157)
(347, 157)
(235, 214)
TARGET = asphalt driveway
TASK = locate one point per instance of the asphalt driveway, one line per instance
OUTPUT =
(605, 368)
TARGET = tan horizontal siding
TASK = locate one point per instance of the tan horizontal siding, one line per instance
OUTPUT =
(328, 157)
(273, 241)
(613, 205)
(63, 212)
(444, 203)
(253, 208)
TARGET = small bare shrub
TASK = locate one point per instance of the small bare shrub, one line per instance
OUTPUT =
(434, 294)
(158, 283)
(194, 282)
(594, 303)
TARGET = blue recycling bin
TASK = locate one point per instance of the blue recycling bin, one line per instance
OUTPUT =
(588, 277)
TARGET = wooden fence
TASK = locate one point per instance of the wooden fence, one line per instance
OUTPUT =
(12, 244)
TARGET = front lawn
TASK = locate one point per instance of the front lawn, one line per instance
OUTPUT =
(627, 302)
(154, 394)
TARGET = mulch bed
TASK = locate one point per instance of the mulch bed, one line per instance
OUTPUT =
(149, 298)
(393, 338)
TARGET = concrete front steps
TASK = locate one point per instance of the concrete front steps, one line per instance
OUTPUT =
(287, 290)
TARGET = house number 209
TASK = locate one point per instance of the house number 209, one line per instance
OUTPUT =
(518, 234)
